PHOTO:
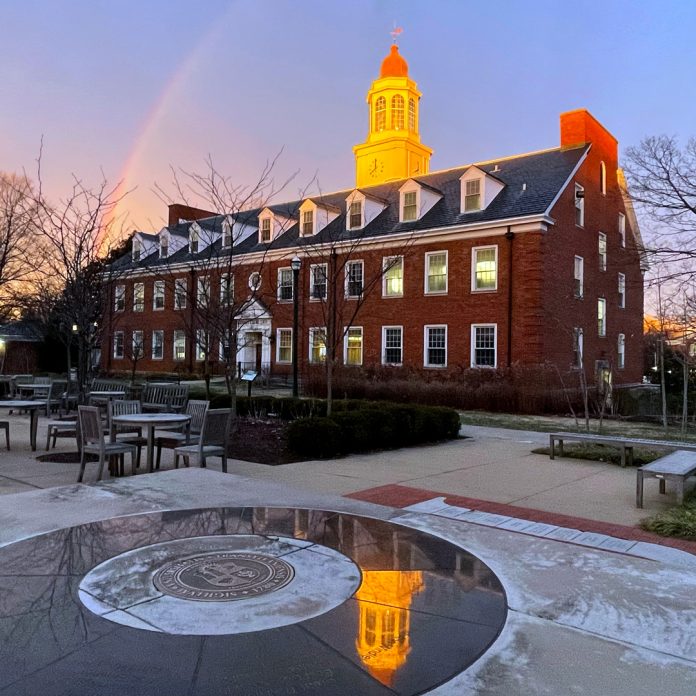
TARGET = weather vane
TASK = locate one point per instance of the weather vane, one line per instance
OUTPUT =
(395, 32)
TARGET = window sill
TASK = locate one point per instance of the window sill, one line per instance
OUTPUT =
(435, 292)
(484, 291)
(392, 297)
(435, 367)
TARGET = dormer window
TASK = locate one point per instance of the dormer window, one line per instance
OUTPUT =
(472, 195)
(410, 207)
(307, 223)
(355, 215)
(193, 239)
(136, 250)
(164, 246)
(226, 234)
(266, 229)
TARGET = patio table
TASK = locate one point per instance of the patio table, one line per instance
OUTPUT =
(33, 408)
(102, 397)
(150, 421)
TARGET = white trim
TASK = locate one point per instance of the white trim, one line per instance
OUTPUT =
(155, 308)
(123, 346)
(604, 320)
(571, 176)
(175, 332)
(474, 251)
(312, 331)
(285, 300)
(385, 263)
(346, 331)
(426, 345)
(278, 360)
(472, 356)
(384, 347)
(581, 278)
(621, 282)
(426, 275)
(579, 188)
(349, 263)
(312, 266)
(152, 351)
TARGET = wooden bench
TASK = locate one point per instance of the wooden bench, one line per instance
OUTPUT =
(625, 444)
(164, 397)
(675, 467)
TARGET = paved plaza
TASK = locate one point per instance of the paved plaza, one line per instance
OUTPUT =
(137, 585)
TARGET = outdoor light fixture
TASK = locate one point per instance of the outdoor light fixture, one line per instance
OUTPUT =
(75, 328)
(295, 264)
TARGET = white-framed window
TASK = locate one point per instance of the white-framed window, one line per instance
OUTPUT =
(380, 114)
(579, 277)
(224, 346)
(392, 345)
(601, 316)
(435, 346)
(355, 215)
(284, 345)
(202, 291)
(579, 205)
(602, 251)
(393, 278)
(164, 246)
(436, 272)
(621, 352)
(412, 115)
(484, 345)
(118, 345)
(307, 223)
(226, 289)
(202, 349)
(193, 239)
(354, 278)
(119, 298)
(622, 291)
(255, 281)
(285, 284)
(179, 345)
(226, 234)
(180, 293)
(136, 251)
(578, 347)
(139, 297)
(484, 268)
(137, 345)
(158, 295)
(472, 195)
(265, 231)
(603, 178)
(157, 345)
(317, 345)
(353, 346)
(397, 112)
(409, 206)
(317, 281)
(622, 229)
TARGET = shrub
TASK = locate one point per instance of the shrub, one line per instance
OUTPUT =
(315, 438)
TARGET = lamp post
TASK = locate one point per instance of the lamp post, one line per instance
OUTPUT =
(295, 264)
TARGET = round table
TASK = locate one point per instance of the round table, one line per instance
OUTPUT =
(150, 421)
(33, 408)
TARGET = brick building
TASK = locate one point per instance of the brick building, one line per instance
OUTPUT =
(528, 259)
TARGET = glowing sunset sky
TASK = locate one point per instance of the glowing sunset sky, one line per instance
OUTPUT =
(134, 87)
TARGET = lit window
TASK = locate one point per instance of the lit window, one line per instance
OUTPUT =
(392, 345)
(603, 178)
(485, 268)
(397, 108)
(380, 114)
(621, 352)
(285, 284)
(201, 345)
(393, 276)
(354, 346)
(355, 220)
(579, 205)
(577, 347)
(483, 345)
(119, 298)
(226, 289)
(435, 346)
(472, 195)
(411, 115)
(410, 207)
(180, 292)
(137, 345)
(579, 276)
(136, 250)
(317, 281)
(193, 240)
(284, 354)
(602, 251)
(622, 291)
(158, 295)
(354, 278)
(308, 222)
(436, 272)
(266, 229)
(602, 316)
(622, 229)
(179, 345)
(139, 297)
(118, 344)
(317, 345)
(157, 345)
(203, 291)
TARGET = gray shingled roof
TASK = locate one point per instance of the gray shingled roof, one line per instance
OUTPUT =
(544, 174)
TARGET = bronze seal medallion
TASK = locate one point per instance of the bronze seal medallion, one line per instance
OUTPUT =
(223, 577)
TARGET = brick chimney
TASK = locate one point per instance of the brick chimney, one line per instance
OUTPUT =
(179, 211)
(580, 127)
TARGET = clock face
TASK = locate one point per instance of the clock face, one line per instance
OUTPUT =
(376, 168)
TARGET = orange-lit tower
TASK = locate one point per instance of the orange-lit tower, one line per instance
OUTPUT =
(393, 149)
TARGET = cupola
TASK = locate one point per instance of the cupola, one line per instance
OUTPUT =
(394, 65)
